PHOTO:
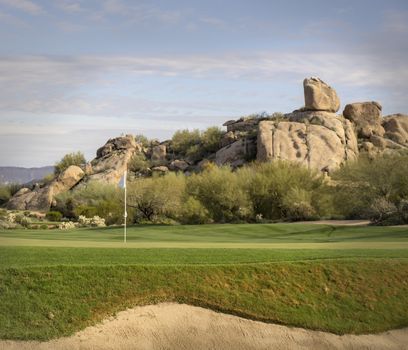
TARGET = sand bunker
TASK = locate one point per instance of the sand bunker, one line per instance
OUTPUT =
(175, 326)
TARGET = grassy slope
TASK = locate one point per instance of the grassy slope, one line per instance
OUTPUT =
(341, 291)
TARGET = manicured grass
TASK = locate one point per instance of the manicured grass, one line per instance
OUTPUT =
(17, 257)
(227, 233)
(338, 290)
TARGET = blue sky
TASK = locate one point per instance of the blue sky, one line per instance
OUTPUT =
(74, 73)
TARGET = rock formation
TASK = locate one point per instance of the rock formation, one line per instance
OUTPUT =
(318, 139)
(108, 167)
(396, 128)
(314, 136)
(366, 116)
(319, 96)
(41, 198)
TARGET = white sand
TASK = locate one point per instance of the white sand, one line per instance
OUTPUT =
(175, 326)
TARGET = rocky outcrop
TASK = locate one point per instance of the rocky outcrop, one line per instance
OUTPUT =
(319, 96)
(237, 153)
(314, 136)
(108, 167)
(159, 154)
(112, 159)
(396, 128)
(366, 116)
(41, 198)
(178, 165)
(313, 145)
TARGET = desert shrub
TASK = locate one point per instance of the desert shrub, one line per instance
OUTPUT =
(54, 216)
(297, 204)
(67, 225)
(143, 140)
(74, 158)
(44, 227)
(138, 163)
(48, 178)
(22, 220)
(193, 212)
(219, 190)
(156, 197)
(365, 188)
(94, 221)
(183, 140)
(5, 194)
(210, 139)
(382, 211)
(85, 210)
(274, 188)
(95, 198)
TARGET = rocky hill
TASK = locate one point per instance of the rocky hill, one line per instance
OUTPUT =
(314, 135)
(18, 175)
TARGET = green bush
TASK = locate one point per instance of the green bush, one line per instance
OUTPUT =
(195, 144)
(156, 198)
(274, 188)
(138, 163)
(143, 140)
(5, 194)
(183, 140)
(211, 138)
(75, 158)
(193, 212)
(54, 216)
(94, 199)
(219, 190)
(365, 186)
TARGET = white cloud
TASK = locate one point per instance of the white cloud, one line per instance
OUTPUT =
(24, 5)
(97, 85)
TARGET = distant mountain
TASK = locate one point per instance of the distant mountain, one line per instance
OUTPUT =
(23, 175)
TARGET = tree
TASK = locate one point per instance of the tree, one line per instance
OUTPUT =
(74, 158)
(371, 187)
(156, 197)
(220, 192)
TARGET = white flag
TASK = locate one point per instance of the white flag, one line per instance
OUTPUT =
(122, 182)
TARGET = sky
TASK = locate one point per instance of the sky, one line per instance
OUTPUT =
(74, 73)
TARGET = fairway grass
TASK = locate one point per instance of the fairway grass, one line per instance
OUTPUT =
(53, 291)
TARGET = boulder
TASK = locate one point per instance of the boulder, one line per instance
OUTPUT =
(243, 124)
(323, 146)
(319, 96)
(20, 200)
(66, 180)
(396, 128)
(41, 198)
(159, 153)
(112, 159)
(160, 169)
(228, 138)
(178, 165)
(236, 153)
(366, 116)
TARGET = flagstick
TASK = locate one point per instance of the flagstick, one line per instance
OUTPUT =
(125, 215)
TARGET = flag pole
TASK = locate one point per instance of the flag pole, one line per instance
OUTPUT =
(125, 214)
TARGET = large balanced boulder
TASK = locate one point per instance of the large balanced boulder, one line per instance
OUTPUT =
(366, 116)
(318, 140)
(396, 128)
(319, 96)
